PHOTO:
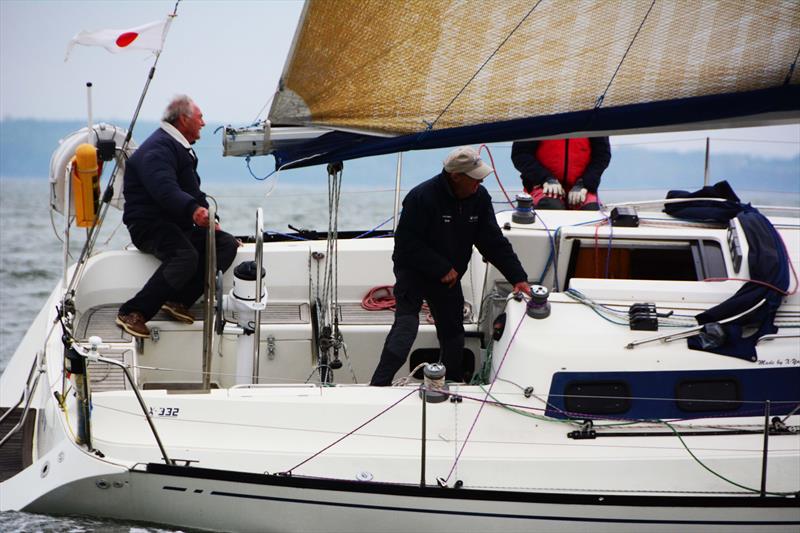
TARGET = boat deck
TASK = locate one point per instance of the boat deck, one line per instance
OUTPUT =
(100, 320)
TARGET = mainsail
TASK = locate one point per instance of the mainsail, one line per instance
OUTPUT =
(409, 74)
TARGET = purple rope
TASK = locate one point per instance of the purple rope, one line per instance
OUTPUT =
(483, 402)
(337, 441)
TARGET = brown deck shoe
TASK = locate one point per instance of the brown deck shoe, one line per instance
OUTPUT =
(134, 324)
(178, 311)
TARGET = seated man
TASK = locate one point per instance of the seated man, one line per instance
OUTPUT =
(549, 168)
(166, 214)
(442, 219)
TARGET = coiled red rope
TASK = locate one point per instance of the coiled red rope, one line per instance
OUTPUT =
(381, 298)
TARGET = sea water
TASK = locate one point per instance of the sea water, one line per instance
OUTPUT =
(31, 263)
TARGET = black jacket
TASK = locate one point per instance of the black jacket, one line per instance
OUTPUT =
(436, 232)
(161, 182)
(533, 173)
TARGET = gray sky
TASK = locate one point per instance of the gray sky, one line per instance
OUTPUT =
(228, 55)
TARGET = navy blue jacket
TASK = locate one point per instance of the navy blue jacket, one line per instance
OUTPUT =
(161, 182)
(436, 232)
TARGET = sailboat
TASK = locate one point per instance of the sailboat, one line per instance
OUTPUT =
(649, 382)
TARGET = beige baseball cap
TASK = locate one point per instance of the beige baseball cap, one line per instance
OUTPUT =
(465, 160)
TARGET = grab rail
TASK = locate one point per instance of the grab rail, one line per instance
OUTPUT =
(27, 396)
(90, 354)
(259, 286)
(210, 290)
(777, 336)
(691, 331)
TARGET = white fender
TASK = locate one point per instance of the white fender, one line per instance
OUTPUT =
(66, 149)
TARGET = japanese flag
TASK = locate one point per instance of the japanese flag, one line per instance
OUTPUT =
(145, 37)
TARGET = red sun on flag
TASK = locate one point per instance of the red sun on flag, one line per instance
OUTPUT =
(126, 38)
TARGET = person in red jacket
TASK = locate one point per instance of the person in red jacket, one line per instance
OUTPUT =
(562, 173)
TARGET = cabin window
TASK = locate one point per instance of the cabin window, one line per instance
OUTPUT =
(597, 397)
(696, 396)
(692, 260)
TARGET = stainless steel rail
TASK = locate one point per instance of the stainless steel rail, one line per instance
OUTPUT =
(135, 389)
(27, 396)
(210, 290)
(689, 332)
(259, 287)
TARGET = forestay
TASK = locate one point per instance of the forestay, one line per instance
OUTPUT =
(446, 72)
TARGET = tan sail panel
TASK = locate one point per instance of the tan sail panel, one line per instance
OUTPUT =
(397, 67)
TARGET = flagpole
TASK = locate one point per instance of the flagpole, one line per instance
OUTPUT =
(94, 231)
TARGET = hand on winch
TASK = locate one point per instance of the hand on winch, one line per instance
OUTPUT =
(522, 286)
(577, 195)
(552, 187)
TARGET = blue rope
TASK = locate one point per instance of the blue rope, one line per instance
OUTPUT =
(247, 160)
(375, 228)
(552, 247)
(551, 257)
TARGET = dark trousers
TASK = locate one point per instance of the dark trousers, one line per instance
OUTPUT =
(182, 253)
(447, 308)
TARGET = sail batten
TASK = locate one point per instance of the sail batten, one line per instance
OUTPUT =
(413, 67)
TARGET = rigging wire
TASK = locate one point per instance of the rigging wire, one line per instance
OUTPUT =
(432, 124)
(791, 68)
(337, 441)
(258, 116)
(602, 97)
(701, 463)
(517, 410)
(375, 228)
(480, 409)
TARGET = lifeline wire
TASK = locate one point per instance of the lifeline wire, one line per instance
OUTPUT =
(480, 409)
(337, 441)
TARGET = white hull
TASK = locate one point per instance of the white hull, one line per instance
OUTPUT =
(518, 474)
(233, 501)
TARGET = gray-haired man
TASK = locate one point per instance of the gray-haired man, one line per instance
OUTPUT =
(167, 215)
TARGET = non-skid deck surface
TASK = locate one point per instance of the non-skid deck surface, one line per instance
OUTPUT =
(353, 313)
(101, 320)
(17, 453)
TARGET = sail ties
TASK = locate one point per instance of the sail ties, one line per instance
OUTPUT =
(602, 97)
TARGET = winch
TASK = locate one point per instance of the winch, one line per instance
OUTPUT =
(242, 303)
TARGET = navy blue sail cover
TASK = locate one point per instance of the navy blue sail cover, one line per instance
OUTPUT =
(768, 262)
(343, 145)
